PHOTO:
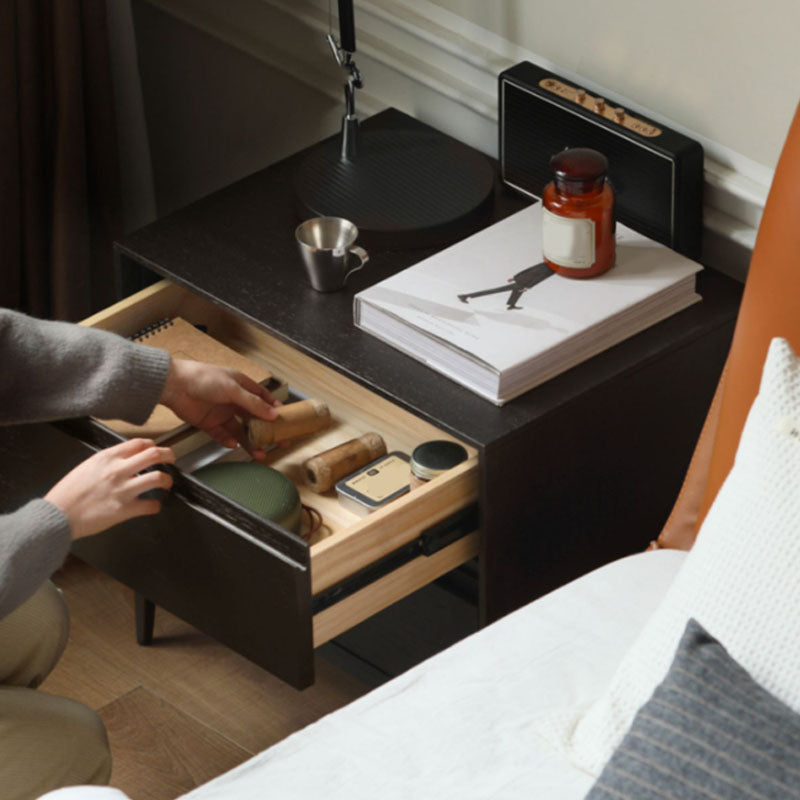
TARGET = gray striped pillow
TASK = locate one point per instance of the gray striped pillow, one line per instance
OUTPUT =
(708, 731)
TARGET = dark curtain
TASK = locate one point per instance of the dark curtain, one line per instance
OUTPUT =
(59, 169)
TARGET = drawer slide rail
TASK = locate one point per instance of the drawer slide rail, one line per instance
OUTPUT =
(430, 541)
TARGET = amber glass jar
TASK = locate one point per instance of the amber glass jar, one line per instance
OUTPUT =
(578, 215)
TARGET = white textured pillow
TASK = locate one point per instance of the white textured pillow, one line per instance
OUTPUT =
(741, 580)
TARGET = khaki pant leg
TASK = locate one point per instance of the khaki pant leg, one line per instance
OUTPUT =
(33, 637)
(45, 741)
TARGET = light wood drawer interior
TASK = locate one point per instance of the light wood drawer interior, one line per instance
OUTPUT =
(346, 543)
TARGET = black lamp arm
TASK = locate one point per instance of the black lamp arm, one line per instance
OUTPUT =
(347, 26)
(343, 53)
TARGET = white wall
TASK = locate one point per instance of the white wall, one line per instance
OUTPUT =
(723, 71)
(728, 70)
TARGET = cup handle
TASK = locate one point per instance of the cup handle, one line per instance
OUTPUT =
(363, 257)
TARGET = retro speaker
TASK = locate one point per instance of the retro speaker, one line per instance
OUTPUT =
(657, 173)
(258, 487)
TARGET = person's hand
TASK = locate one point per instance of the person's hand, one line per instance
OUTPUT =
(214, 398)
(104, 490)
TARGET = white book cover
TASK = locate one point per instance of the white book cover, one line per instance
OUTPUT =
(489, 314)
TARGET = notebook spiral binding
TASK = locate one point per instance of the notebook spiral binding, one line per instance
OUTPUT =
(151, 330)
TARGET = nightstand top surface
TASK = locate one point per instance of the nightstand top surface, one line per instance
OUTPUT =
(237, 248)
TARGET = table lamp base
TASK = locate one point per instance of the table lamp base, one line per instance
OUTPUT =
(402, 188)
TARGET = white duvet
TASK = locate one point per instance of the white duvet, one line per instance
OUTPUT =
(459, 724)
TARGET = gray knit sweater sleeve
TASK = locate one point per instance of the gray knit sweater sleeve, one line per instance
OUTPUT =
(53, 370)
(34, 542)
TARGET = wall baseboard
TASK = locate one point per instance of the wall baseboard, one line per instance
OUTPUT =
(442, 69)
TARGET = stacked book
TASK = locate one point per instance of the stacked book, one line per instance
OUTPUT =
(487, 313)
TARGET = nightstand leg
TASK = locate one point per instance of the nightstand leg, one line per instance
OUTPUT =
(145, 619)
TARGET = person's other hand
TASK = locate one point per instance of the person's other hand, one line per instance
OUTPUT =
(214, 398)
(104, 490)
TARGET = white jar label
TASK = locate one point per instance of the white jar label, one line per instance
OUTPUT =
(567, 241)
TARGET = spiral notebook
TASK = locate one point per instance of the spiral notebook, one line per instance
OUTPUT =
(184, 340)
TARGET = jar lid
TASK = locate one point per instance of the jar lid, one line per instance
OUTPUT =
(430, 459)
(579, 168)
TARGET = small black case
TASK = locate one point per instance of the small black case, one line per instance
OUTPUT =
(656, 172)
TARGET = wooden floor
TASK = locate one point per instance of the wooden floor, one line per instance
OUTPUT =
(183, 710)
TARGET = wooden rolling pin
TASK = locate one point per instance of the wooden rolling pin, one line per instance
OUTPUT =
(293, 420)
(323, 470)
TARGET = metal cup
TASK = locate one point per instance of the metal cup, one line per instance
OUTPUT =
(326, 245)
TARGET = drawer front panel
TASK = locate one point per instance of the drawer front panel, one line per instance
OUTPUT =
(231, 587)
(187, 559)
(33, 458)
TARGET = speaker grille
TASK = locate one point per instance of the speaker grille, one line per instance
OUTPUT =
(258, 487)
(536, 128)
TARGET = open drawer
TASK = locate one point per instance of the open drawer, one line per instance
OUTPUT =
(264, 591)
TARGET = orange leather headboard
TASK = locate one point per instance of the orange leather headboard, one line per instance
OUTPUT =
(770, 307)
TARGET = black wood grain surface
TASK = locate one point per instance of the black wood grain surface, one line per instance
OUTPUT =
(237, 248)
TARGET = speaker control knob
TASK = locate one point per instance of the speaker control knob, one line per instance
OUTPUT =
(581, 96)
(599, 105)
(619, 113)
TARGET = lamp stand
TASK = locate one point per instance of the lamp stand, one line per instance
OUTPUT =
(402, 187)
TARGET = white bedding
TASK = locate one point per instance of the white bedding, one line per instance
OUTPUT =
(459, 724)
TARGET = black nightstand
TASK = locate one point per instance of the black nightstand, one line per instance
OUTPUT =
(571, 475)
